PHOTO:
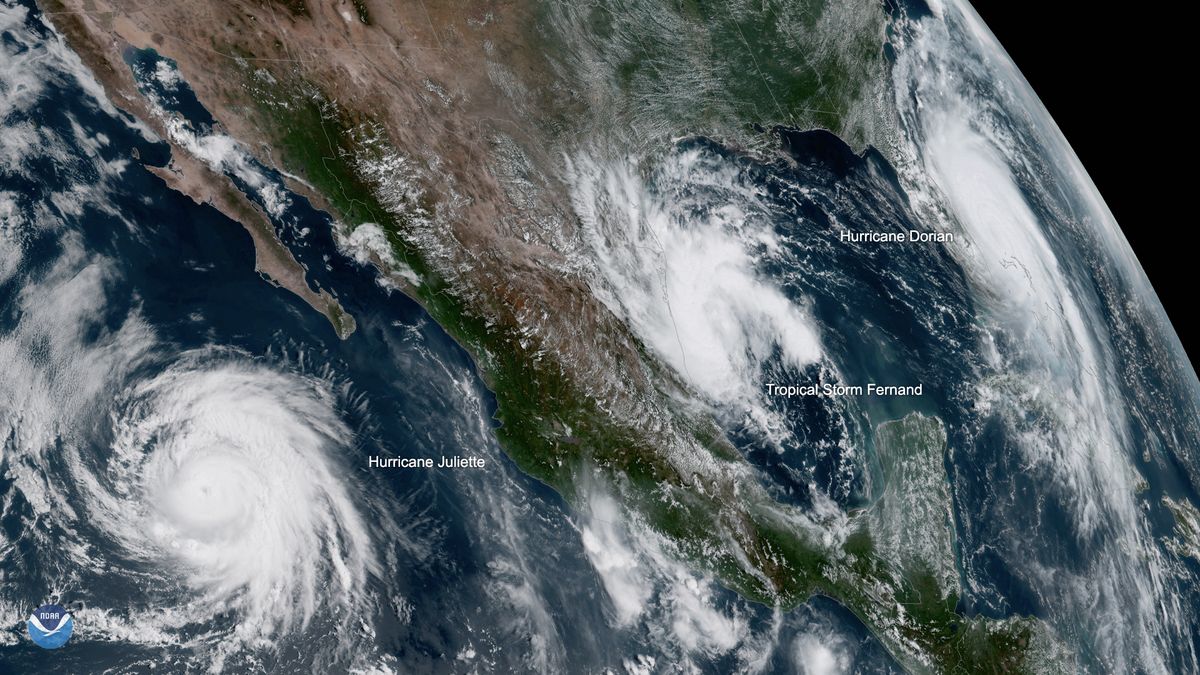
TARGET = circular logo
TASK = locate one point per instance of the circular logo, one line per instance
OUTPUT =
(50, 626)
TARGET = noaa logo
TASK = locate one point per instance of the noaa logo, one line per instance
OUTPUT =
(50, 626)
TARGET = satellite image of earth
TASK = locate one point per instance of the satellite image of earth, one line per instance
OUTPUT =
(620, 336)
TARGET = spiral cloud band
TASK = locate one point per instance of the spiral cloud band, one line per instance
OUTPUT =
(225, 472)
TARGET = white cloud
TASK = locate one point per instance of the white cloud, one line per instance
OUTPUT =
(820, 654)
(680, 269)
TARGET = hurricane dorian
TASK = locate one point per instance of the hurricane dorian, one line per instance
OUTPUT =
(555, 337)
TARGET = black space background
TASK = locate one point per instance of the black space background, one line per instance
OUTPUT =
(1116, 83)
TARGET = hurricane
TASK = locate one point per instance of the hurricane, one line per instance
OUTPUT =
(209, 478)
(227, 471)
(622, 338)
(983, 154)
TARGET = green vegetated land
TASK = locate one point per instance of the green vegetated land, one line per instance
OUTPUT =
(906, 607)
(536, 402)
(696, 66)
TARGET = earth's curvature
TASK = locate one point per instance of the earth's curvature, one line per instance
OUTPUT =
(572, 337)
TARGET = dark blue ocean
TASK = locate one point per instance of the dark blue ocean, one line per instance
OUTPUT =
(479, 571)
(185, 454)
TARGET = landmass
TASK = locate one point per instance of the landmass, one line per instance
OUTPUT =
(441, 128)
